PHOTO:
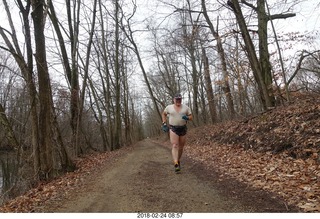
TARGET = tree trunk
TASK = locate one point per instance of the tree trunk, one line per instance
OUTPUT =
(27, 71)
(261, 70)
(66, 160)
(105, 75)
(189, 43)
(129, 35)
(12, 140)
(263, 49)
(253, 59)
(209, 90)
(226, 86)
(73, 23)
(126, 116)
(117, 139)
(64, 54)
(45, 98)
(195, 84)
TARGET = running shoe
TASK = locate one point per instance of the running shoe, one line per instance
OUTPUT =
(176, 168)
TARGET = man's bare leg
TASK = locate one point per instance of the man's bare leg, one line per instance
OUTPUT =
(182, 141)
(174, 138)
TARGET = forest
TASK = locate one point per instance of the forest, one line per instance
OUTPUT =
(89, 75)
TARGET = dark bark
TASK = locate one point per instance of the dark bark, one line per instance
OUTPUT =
(264, 56)
(252, 56)
(26, 68)
(226, 87)
(45, 98)
(117, 140)
(4, 122)
(209, 90)
(66, 159)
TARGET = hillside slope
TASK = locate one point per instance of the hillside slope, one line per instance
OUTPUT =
(278, 151)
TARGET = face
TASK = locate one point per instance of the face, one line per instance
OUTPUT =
(177, 101)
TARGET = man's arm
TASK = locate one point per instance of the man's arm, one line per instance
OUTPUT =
(164, 117)
(189, 114)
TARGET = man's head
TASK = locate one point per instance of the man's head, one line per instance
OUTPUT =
(177, 99)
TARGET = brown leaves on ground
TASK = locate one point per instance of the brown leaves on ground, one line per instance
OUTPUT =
(278, 151)
(58, 189)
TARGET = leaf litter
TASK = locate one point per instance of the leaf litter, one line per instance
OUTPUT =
(277, 151)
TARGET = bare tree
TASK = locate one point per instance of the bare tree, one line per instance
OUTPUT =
(129, 34)
(45, 95)
(71, 70)
(309, 68)
(209, 90)
(220, 49)
(7, 79)
(26, 68)
(261, 67)
(13, 142)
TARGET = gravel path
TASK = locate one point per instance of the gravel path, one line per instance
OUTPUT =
(144, 181)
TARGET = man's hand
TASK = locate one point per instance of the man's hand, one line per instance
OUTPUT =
(185, 117)
(164, 127)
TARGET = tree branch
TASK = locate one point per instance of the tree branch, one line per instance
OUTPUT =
(298, 68)
(281, 16)
(249, 5)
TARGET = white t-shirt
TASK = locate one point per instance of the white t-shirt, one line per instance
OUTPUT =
(175, 118)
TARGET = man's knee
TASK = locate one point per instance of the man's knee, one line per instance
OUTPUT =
(175, 145)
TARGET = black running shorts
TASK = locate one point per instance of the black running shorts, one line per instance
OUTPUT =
(179, 130)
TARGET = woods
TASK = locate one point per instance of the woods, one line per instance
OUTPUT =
(82, 76)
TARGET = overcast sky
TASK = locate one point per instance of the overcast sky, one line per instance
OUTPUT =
(307, 20)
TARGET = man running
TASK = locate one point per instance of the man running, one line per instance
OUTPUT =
(178, 114)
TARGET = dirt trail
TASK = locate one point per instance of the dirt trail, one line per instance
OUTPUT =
(144, 181)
